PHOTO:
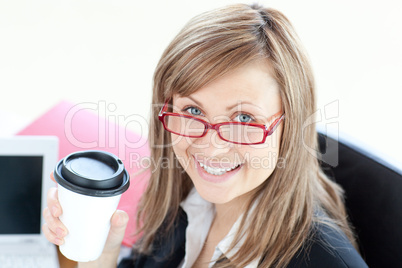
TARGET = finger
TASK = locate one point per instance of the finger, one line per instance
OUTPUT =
(53, 202)
(50, 236)
(52, 213)
(54, 224)
(118, 227)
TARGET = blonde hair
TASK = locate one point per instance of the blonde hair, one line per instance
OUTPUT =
(209, 46)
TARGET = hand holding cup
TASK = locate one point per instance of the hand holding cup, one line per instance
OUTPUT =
(79, 213)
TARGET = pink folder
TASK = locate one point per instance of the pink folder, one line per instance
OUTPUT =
(79, 127)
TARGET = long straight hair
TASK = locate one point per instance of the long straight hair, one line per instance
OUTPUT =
(209, 46)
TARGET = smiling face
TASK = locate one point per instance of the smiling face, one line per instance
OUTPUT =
(222, 171)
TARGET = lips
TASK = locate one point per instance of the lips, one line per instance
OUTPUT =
(217, 171)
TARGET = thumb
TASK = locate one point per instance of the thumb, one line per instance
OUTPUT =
(117, 229)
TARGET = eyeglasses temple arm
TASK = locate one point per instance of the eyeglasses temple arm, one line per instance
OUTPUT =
(275, 124)
(164, 108)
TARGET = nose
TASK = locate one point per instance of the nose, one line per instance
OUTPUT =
(211, 143)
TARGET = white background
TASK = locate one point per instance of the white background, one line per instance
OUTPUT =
(106, 51)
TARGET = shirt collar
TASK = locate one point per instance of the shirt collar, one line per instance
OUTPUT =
(202, 212)
(224, 246)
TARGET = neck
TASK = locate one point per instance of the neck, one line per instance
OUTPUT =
(227, 213)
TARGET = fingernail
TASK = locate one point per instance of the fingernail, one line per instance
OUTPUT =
(118, 221)
(59, 232)
(59, 241)
(122, 219)
(55, 209)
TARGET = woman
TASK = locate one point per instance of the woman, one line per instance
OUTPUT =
(231, 94)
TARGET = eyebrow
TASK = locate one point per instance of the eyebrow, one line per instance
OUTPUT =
(241, 103)
(197, 102)
(230, 107)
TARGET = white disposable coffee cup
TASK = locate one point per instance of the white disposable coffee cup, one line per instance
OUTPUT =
(90, 185)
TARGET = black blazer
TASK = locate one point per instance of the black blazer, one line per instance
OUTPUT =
(326, 248)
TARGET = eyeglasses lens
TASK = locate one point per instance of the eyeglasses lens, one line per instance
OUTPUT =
(237, 133)
(184, 126)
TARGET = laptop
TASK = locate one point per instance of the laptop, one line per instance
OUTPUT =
(25, 165)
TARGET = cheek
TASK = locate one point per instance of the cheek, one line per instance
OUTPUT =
(262, 159)
(178, 143)
(180, 147)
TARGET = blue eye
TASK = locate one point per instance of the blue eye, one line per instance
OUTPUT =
(193, 110)
(244, 118)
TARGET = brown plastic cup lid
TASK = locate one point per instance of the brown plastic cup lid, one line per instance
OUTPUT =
(93, 173)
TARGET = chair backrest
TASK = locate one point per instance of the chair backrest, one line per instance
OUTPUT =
(373, 196)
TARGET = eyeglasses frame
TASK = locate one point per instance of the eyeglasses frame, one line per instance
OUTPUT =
(267, 130)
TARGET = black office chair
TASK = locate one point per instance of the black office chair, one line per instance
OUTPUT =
(373, 190)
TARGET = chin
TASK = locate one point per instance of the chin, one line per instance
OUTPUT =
(215, 199)
(217, 194)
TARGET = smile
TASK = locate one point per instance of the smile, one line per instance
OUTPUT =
(217, 171)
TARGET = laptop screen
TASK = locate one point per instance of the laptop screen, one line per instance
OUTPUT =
(20, 194)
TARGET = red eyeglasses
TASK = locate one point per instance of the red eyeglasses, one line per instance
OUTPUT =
(234, 132)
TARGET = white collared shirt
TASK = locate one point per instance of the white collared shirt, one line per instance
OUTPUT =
(200, 214)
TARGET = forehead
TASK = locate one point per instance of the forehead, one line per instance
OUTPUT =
(253, 84)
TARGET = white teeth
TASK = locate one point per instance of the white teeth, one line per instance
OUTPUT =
(216, 171)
